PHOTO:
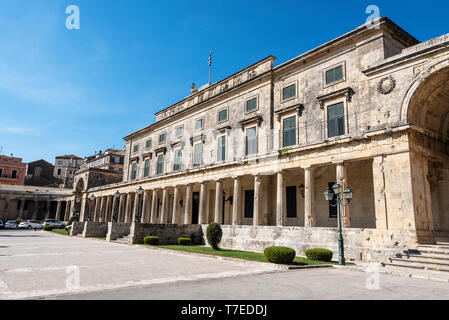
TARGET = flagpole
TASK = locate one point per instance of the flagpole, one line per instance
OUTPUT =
(210, 67)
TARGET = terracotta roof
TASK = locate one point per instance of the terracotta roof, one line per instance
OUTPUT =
(69, 156)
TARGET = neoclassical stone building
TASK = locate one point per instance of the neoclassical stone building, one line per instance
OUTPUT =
(256, 151)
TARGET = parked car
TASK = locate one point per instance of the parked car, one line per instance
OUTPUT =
(30, 224)
(55, 223)
(11, 224)
(1, 224)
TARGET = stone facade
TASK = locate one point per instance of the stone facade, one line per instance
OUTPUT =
(257, 150)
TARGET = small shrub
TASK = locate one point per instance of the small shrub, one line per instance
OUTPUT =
(151, 240)
(214, 234)
(319, 254)
(48, 228)
(19, 220)
(72, 218)
(184, 241)
(281, 255)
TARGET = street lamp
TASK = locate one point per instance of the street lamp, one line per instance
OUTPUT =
(342, 198)
(140, 192)
(115, 215)
(92, 199)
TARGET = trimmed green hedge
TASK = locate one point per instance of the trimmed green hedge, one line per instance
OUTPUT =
(319, 254)
(214, 234)
(184, 241)
(280, 255)
(48, 228)
(72, 218)
(151, 240)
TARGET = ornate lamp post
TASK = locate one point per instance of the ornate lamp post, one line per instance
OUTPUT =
(74, 210)
(140, 192)
(92, 198)
(115, 215)
(341, 199)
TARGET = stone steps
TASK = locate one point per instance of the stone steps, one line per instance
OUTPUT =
(417, 265)
(423, 260)
(124, 239)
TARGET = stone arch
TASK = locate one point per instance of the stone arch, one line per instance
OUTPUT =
(426, 103)
(80, 186)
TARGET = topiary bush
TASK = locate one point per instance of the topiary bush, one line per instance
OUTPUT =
(319, 254)
(151, 240)
(184, 241)
(214, 234)
(281, 255)
(72, 218)
(48, 228)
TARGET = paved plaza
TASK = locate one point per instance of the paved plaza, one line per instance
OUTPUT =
(36, 264)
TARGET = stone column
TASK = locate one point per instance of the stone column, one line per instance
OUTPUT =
(22, 207)
(153, 218)
(35, 209)
(72, 208)
(47, 209)
(114, 208)
(175, 219)
(67, 211)
(257, 218)
(163, 217)
(202, 218)
(380, 203)
(343, 181)
(218, 202)
(145, 207)
(108, 213)
(102, 209)
(84, 207)
(58, 210)
(188, 205)
(280, 199)
(309, 213)
(121, 208)
(236, 202)
(96, 210)
(136, 207)
(5, 209)
(128, 208)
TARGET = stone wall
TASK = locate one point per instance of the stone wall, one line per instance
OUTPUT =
(117, 230)
(167, 233)
(77, 228)
(95, 229)
(368, 245)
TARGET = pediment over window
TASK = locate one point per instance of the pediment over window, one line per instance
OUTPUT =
(347, 92)
(161, 150)
(298, 107)
(258, 119)
(200, 137)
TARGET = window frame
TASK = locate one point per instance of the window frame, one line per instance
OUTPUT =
(202, 124)
(160, 156)
(246, 103)
(288, 84)
(283, 130)
(182, 131)
(159, 138)
(227, 115)
(343, 79)
(174, 160)
(134, 171)
(150, 143)
(201, 155)
(146, 169)
(246, 141)
(224, 156)
(343, 117)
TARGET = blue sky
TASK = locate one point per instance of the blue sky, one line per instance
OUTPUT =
(80, 91)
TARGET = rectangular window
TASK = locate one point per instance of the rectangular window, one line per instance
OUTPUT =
(179, 132)
(336, 120)
(332, 204)
(60, 162)
(148, 144)
(197, 154)
(177, 162)
(289, 132)
(251, 105)
(59, 172)
(162, 138)
(249, 203)
(223, 115)
(290, 193)
(134, 171)
(251, 141)
(136, 148)
(117, 159)
(199, 124)
(1, 172)
(334, 74)
(289, 92)
(160, 164)
(221, 152)
(146, 170)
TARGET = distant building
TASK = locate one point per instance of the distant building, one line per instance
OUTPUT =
(12, 170)
(65, 168)
(40, 173)
(111, 159)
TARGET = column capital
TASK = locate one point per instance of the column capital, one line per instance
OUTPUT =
(338, 162)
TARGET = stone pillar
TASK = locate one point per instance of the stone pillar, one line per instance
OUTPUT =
(163, 217)
(102, 209)
(58, 210)
(145, 207)
(47, 209)
(67, 211)
(175, 219)
(35, 209)
(22, 207)
(218, 202)
(96, 210)
(309, 213)
(84, 207)
(342, 179)
(114, 208)
(153, 218)
(121, 208)
(128, 208)
(5, 209)
(257, 217)
(136, 207)
(280, 199)
(108, 213)
(380, 203)
(202, 218)
(236, 202)
(188, 205)
(72, 208)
